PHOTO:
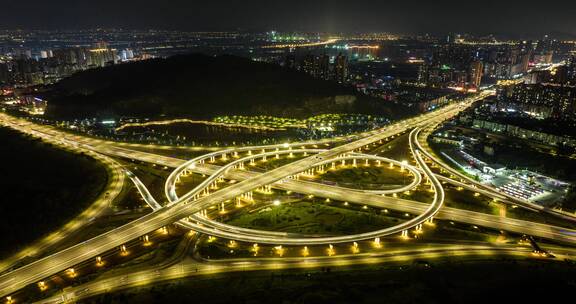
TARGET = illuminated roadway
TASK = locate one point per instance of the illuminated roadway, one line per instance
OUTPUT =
(182, 208)
(192, 268)
(258, 236)
(514, 200)
(35, 271)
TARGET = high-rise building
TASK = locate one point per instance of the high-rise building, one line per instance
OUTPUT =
(544, 57)
(553, 101)
(308, 64)
(341, 68)
(475, 73)
(560, 74)
(4, 73)
(101, 45)
(102, 57)
(290, 62)
(323, 67)
(571, 70)
(126, 54)
(26, 71)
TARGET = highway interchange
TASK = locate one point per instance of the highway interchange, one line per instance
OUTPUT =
(187, 210)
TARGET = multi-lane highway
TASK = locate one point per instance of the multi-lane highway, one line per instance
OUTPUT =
(181, 209)
(42, 268)
(191, 268)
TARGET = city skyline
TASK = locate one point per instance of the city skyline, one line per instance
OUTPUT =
(515, 18)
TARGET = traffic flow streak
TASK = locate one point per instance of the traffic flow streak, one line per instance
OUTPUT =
(366, 198)
(33, 272)
(193, 268)
(116, 182)
(257, 236)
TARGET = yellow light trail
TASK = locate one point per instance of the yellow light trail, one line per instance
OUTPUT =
(295, 45)
(204, 122)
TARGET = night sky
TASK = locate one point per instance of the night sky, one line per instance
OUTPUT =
(503, 16)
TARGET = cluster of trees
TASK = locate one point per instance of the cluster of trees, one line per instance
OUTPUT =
(201, 86)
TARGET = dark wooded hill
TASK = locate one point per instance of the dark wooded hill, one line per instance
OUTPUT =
(201, 86)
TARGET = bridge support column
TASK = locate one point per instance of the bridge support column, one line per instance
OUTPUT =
(355, 248)
(419, 228)
(146, 240)
(123, 250)
(377, 243)
(331, 250)
(305, 251)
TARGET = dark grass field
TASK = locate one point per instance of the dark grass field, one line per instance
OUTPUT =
(450, 281)
(42, 188)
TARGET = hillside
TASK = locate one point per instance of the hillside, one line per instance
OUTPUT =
(201, 86)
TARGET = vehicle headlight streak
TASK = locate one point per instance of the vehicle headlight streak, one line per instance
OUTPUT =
(205, 225)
